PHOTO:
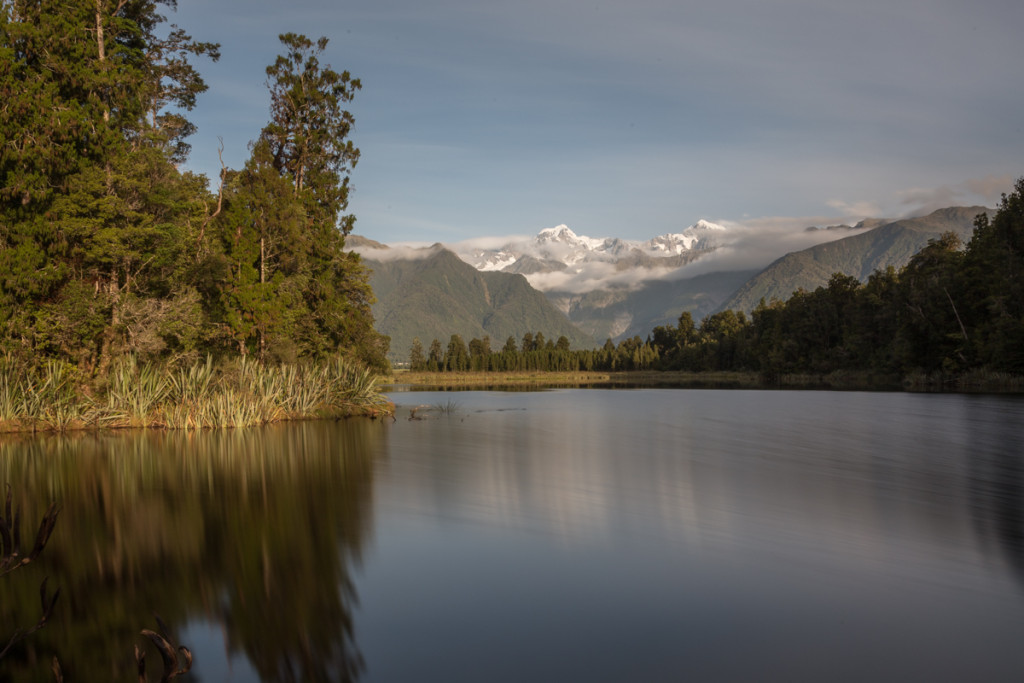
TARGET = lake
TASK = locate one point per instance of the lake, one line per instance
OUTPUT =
(564, 535)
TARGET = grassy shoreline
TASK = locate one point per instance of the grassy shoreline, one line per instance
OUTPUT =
(582, 379)
(55, 398)
(977, 382)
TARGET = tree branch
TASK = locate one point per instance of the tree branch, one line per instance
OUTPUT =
(220, 198)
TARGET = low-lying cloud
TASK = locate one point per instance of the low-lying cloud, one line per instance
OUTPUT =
(985, 191)
(755, 244)
(594, 276)
(398, 252)
(748, 245)
(744, 245)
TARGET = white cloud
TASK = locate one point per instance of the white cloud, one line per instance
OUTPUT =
(748, 245)
(861, 209)
(990, 188)
(591, 277)
(495, 242)
(756, 243)
(923, 200)
(403, 252)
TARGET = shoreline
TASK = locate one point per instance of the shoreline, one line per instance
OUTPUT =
(55, 398)
(837, 381)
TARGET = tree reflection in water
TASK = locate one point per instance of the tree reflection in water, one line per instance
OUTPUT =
(996, 469)
(257, 530)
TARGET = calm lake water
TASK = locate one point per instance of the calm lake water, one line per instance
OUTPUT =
(566, 535)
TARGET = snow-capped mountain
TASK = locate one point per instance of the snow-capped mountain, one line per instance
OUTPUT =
(615, 288)
(561, 249)
(701, 236)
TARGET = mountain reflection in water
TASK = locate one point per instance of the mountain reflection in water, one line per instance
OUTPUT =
(698, 535)
(563, 535)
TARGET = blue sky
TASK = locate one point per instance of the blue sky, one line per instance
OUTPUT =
(634, 118)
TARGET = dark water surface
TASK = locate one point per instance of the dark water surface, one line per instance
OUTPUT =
(569, 535)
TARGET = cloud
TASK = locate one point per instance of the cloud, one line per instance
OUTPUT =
(754, 244)
(991, 188)
(487, 243)
(402, 252)
(748, 245)
(593, 276)
(622, 117)
(860, 209)
(919, 201)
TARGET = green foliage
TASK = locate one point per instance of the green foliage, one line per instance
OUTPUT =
(244, 392)
(931, 331)
(133, 392)
(287, 289)
(108, 251)
(457, 357)
(417, 361)
(307, 137)
(993, 278)
(51, 400)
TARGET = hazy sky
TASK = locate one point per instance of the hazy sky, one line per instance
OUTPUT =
(634, 118)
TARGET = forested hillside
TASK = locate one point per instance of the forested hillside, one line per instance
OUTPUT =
(950, 310)
(438, 295)
(108, 249)
(891, 244)
(627, 312)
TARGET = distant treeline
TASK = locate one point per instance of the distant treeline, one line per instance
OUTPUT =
(533, 353)
(952, 309)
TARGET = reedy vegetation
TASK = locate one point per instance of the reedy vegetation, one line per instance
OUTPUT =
(53, 397)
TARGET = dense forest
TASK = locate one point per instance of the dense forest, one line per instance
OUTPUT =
(108, 249)
(953, 309)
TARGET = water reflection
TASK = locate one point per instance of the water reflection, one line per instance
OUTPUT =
(692, 535)
(997, 481)
(558, 535)
(257, 531)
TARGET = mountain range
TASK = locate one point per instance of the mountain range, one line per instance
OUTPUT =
(560, 249)
(890, 243)
(592, 289)
(437, 294)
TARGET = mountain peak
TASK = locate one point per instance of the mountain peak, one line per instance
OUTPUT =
(705, 225)
(559, 233)
(562, 242)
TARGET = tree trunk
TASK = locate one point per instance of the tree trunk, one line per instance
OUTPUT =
(110, 333)
(263, 281)
(101, 49)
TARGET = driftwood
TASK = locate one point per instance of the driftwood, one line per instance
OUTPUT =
(11, 558)
(176, 660)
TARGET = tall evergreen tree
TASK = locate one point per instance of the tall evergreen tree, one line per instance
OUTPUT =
(932, 333)
(89, 198)
(292, 289)
(435, 356)
(993, 279)
(456, 359)
(417, 361)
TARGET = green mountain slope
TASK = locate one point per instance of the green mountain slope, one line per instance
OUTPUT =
(437, 295)
(858, 255)
(622, 313)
